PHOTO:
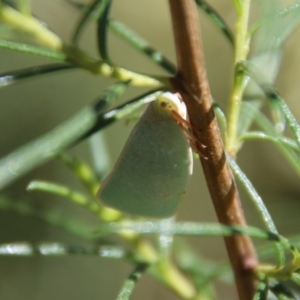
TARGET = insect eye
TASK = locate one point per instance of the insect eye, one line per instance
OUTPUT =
(163, 104)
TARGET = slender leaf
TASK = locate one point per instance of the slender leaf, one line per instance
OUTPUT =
(105, 213)
(60, 249)
(264, 123)
(273, 96)
(86, 16)
(142, 45)
(131, 282)
(33, 154)
(121, 111)
(102, 31)
(282, 292)
(63, 191)
(262, 289)
(111, 94)
(295, 277)
(197, 229)
(217, 19)
(259, 135)
(259, 204)
(12, 77)
(34, 50)
(221, 117)
(82, 171)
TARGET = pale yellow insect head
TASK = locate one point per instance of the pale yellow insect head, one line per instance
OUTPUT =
(167, 103)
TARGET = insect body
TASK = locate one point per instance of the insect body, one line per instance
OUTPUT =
(151, 173)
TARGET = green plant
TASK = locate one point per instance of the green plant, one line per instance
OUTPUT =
(252, 86)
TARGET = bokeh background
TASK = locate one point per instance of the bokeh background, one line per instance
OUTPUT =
(33, 107)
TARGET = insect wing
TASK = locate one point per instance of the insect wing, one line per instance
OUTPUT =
(151, 173)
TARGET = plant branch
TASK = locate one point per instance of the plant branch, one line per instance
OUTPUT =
(52, 46)
(193, 85)
(241, 51)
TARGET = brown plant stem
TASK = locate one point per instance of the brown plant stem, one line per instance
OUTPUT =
(193, 85)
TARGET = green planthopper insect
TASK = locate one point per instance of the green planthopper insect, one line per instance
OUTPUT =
(152, 171)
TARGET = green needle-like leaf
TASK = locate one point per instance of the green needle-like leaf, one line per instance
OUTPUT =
(121, 111)
(217, 19)
(87, 15)
(273, 96)
(262, 289)
(220, 116)
(253, 194)
(259, 135)
(12, 77)
(111, 94)
(63, 191)
(259, 204)
(282, 292)
(82, 171)
(33, 154)
(60, 249)
(197, 229)
(131, 282)
(34, 50)
(142, 45)
(265, 124)
(296, 278)
(102, 31)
